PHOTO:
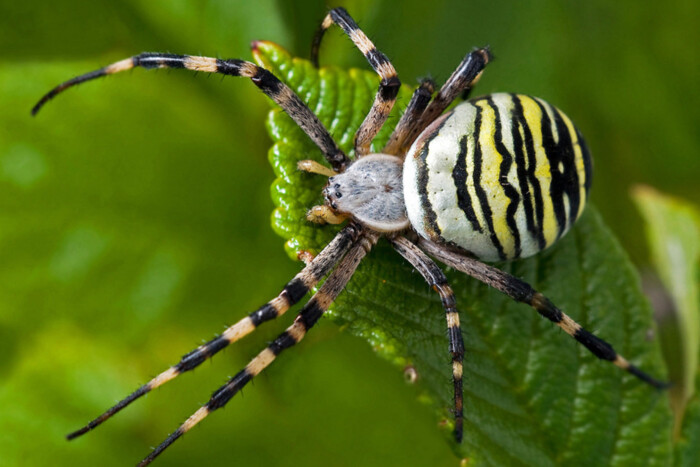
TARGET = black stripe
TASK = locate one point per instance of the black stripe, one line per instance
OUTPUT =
(596, 345)
(375, 57)
(570, 180)
(520, 167)
(460, 175)
(456, 342)
(561, 181)
(535, 216)
(508, 189)
(197, 356)
(267, 82)
(389, 89)
(480, 192)
(310, 314)
(296, 289)
(150, 60)
(262, 314)
(342, 18)
(587, 161)
(544, 306)
(231, 67)
(429, 218)
(447, 297)
(284, 341)
(226, 392)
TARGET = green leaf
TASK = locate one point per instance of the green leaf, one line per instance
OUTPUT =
(673, 232)
(532, 395)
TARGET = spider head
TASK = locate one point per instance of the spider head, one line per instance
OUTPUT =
(333, 192)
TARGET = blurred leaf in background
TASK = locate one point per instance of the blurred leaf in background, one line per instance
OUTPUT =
(673, 230)
(135, 211)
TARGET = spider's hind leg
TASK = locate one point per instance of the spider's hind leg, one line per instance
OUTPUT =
(434, 276)
(521, 291)
(388, 87)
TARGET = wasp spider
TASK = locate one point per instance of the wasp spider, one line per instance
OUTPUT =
(497, 178)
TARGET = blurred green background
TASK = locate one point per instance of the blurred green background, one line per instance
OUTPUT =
(135, 211)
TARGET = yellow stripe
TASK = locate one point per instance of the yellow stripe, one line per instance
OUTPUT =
(195, 418)
(163, 378)
(240, 329)
(491, 179)
(457, 370)
(452, 319)
(260, 362)
(205, 64)
(121, 65)
(578, 160)
(568, 325)
(533, 117)
(297, 331)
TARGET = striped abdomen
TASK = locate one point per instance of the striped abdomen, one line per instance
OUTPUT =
(503, 176)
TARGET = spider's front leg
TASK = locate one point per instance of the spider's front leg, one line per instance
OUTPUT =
(323, 214)
(415, 108)
(466, 75)
(262, 78)
(388, 87)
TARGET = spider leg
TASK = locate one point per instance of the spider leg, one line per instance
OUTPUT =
(311, 166)
(263, 79)
(308, 316)
(462, 79)
(521, 291)
(419, 101)
(436, 279)
(323, 214)
(388, 87)
(294, 291)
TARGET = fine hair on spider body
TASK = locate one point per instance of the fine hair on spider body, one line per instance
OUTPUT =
(500, 177)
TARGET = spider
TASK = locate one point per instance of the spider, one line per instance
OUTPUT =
(496, 178)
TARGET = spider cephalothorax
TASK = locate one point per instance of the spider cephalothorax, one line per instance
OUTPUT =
(500, 177)
(370, 191)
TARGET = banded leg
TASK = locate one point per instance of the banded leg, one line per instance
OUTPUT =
(521, 291)
(463, 78)
(436, 279)
(419, 101)
(308, 316)
(294, 291)
(388, 87)
(263, 79)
